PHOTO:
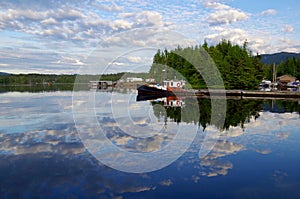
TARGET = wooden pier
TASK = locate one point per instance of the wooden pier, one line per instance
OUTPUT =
(249, 93)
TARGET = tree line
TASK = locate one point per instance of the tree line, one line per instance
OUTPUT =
(238, 67)
(38, 79)
(291, 66)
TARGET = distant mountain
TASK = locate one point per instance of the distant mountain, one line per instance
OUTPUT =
(277, 57)
(4, 74)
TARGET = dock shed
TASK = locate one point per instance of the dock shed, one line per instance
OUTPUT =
(285, 79)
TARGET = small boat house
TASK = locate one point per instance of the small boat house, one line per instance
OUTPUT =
(100, 84)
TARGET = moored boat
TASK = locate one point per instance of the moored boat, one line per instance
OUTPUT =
(152, 90)
(169, 88)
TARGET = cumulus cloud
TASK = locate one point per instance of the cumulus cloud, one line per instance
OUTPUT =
(68, 22)
(235, 35)
(56, 22)
(134, 48)
(49, 21)
(223, 14)
(61, 27)
(268, 12)
(120, 24)
(215, 5)
(226, 17)
(239, 36)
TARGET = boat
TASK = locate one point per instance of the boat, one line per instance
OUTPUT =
(101, 84)
(173, 101)
(293, 86)
(267, 85)
(146, 97)
(169, 101)
(152, 90)
(169, 88)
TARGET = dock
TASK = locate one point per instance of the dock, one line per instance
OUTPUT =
(250, 93)
(233, 94)
(101, 84)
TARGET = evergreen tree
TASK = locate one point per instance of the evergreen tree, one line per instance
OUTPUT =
(239, 69)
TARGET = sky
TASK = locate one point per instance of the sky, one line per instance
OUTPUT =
(67, 37)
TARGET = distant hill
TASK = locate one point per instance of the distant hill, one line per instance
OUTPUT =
(277, 57)
(4, 74)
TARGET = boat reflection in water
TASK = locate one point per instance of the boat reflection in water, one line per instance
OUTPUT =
(169, 88)
(170, 101)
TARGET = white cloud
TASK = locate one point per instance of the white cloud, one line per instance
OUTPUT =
(238, 36)
(224, 14)
(60, 26)
(215, 5)
(69, 23)
(287, 28)
(269, 12)
(49, 21)
(69, 60)
(42, 22)
(235, 35)
(134, 59)
(120, 24)
(226, 17)
(291, 49)
(134, 49)
(144, 18)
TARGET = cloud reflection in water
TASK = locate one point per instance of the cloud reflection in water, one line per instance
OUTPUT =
(45, 157)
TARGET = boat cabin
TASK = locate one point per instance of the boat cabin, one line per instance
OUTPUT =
(174, 85)
(173, 101)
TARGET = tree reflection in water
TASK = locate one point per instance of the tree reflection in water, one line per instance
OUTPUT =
(238, 111)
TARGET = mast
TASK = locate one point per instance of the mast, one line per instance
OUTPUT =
(274, 73)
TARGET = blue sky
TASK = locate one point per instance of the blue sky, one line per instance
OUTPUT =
(46, 36)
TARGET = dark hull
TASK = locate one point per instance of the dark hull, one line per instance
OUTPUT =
(148, 90)
(143, 97)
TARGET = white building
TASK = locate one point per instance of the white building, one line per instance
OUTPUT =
(134, 79)
(150, 80)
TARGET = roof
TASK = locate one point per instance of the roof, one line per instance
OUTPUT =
(286, 76)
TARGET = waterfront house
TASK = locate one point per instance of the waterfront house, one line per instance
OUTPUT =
(285, 79)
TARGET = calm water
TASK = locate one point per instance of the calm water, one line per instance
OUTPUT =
(255, 155)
